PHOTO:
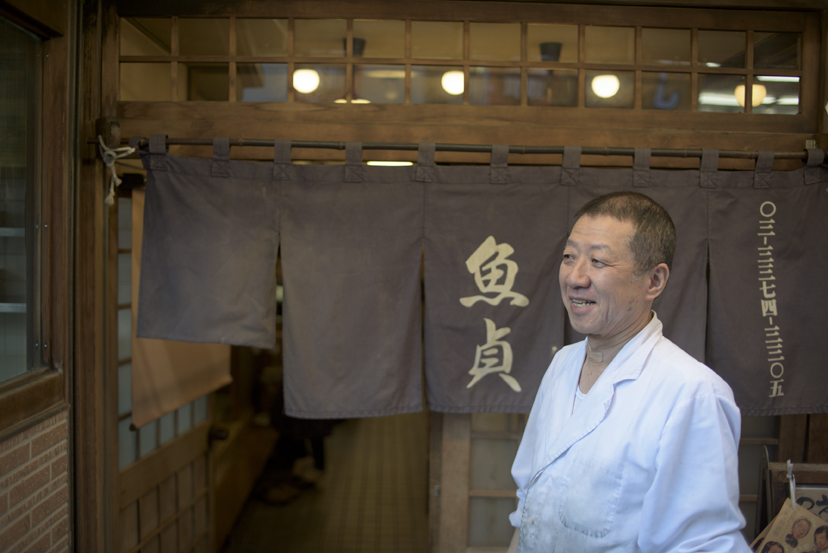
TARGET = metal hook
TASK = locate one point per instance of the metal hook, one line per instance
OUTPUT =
(792, 485)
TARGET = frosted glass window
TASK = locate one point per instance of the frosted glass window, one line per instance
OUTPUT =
(494, 41)
(204, 82)
(145, 36)
(145, 82)
(320, 37)
(615, 45)
(124, 223)
(261, 37)
(441, 40)
(665, 46)
(124, 278)
(379, 39)
(261, 82)
(557, 43)
(200, 409)
(127, 444)
(489, 522)
(124, 333)
(380, 84)
(124, 389)
(203, 37)
(491, 462)
(557, 87)
(147, 438)
(494, 86)
(185, 418)
(167, 430)
(665, 91)
(722, 48)
(436, 85)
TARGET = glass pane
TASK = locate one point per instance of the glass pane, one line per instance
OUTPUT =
(665, 46)
(203, 37)
(439, 40)
(379, 39)
(760, 427)
(261, 82)
(200, 408)
(204, 81)
(145, 36)
(722, 48)
(19, 98)
(147, 438)
(557, 87)
(552, 43)
(124, 278)
(718, 93)
(610, 89)
(489, 522)
(491, 462)
(261, 37)
(494, 41)
(185, 418)
(436, 85)
(776, 50)
(779, 95)
(124, 223)
(665, 91)
(319, 83)
(124, 333)
(127, 444)
(167, 423)
(145, 82)
(124, 389)
(380, 84)
(319, 37)
(494, 86)
(609, 44)
(497, 422)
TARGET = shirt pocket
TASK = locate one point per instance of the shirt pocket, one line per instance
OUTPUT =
(591, 493)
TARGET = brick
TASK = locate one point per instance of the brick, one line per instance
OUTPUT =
(28, 486)
(30, 501)
(39, 530)
(14, 459)
(36, 462)
(4, 504)
(41, 545)
(61, 546)
(13, 533)
(50, 505)
(60, 465)
(61, 529)
(29, 432)
(49, 438)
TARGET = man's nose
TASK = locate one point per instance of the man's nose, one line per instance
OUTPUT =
(577, 276)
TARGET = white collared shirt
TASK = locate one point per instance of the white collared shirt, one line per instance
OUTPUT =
(648, 461)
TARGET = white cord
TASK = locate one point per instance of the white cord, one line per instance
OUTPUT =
(109, 157)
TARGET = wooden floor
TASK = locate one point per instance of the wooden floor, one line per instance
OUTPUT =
(372, 498)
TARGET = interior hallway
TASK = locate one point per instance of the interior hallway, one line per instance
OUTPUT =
(372, 497)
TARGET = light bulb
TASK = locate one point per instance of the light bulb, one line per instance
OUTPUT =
(759, 93)
(305, 80)
(452, 82)
(606, 86)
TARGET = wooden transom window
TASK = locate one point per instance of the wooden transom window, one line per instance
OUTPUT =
(512, 63)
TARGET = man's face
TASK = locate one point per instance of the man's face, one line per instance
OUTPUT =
(800, 529)
(599, 288)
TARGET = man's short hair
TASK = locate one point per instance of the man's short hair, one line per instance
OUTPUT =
(654, 235)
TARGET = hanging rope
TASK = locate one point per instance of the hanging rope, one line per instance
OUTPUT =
(109, 157)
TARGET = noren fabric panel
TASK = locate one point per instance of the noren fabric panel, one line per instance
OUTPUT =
(211, 235)
(682, 307)
(493, 315)
(768, 261)
(351, 255)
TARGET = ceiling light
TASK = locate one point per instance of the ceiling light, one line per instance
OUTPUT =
(452, 82)
(390, 163)
(606, 86)
(305, 80)
(776, 79)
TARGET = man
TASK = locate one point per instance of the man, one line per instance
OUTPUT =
(631, 444)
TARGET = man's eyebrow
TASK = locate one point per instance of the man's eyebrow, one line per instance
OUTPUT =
(599, 246)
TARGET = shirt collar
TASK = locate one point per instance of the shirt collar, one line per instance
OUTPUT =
(629, 362)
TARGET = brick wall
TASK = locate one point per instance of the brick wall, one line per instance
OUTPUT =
(34, 489)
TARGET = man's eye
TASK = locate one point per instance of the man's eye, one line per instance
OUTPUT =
(598, 262)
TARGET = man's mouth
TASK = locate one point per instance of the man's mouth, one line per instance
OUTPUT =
(582, 303)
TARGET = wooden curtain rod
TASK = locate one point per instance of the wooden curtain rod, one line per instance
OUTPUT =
(478, 148)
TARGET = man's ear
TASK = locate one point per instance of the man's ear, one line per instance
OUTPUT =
(657, 280)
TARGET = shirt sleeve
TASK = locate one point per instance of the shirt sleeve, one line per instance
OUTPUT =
(693, 503)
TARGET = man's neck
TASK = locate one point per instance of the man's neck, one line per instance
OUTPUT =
(600, 353)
